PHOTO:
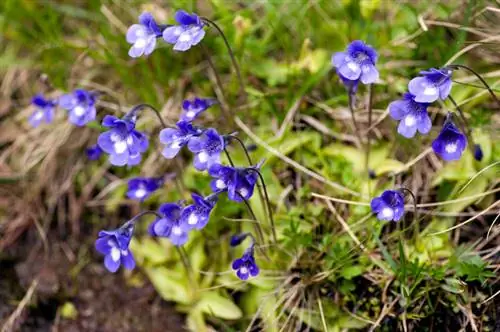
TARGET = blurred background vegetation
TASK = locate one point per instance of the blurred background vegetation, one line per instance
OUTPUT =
(335, 267)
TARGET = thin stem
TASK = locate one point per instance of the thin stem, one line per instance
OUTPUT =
(415, 212)
(249, 159)
(368, 137)
(465, 125)
(269, 212)
(185, 263)
(140, 107)
(242, 91)
(479, 77)
(355, 124)
(229, 157)
(140, 215)
(256, 224)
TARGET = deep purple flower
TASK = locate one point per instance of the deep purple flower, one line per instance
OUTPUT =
(141, 188)
(198, 214)
(44, 110)
(114, 245)
(81, 106)
(207, 149)
(245, 266)
(478, 152)
(122, 142)
(237, 239)
(175, 138)
(413, 116)
(143, 36)
(193, 108)
(357, 63)
(239, 182)
(171, 225)
(389, 206)
(450, 143)
(188, 33)
(434, 84)
(94, 152)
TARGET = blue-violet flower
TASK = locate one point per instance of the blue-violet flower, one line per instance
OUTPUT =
(141, 188)
(357, 63)
(122, 142)
(434, 84)
(193, 108)
(207, 149)
(175, 138)
(196, 216)
(81, 106)
(389, 206)
(245, 266)
(188, 33)
(143, 36)
(171, 225)
(239, 182)
(44, 110)
(450, 143)
(413, 116)
(94, 152)
(115, 246)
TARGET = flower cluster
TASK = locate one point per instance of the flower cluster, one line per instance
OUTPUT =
(188, 32)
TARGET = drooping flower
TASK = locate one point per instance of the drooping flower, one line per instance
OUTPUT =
(478, 152)
(357, 63)
(175, 138)
(94, 152)
(80, 105)
(122, 142)
(389, 206)
(207, 149)
(44, 110)
(193, 108)
(413, 116)
(450, 143)
(237, 239)
(238, 181)
(115, 246)
(196, 216)
(141, 188)
(188, 33)
(432, 85)
(171, 225)
(245, 266)
(143, 36)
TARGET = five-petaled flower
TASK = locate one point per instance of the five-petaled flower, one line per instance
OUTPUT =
(188, 33)
(193, 108)
(356, 63)
(196, 216)
(207, 149)
(245, 266)
(171, 225)
(114, 245)
(389, 206)
(143, 36)
(80, 105)
(238, 181)
(413, 116)
(122, 142)
(141, 188)
(175, 138)
(94, 152)
(432, 85)
(44, 110)
(450, 143)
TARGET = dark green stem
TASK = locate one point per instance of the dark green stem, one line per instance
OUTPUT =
(479, 77)
(368, 137)
(465, 125)
(268, 203)
(140, 107)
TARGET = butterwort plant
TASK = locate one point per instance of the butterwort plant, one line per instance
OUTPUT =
(80, 105)
(44, 110)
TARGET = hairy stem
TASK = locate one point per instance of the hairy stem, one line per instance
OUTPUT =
(257, 225)
(465, 125)
(268, 203)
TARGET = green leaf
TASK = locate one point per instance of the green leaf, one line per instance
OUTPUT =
(171, 285)
(352, 271)
(214, 304)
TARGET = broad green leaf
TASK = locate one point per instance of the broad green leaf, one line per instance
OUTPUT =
(214, 304)
(352, 271)
(171, 285)
(476, 187)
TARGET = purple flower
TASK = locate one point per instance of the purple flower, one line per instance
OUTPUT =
(239, 182)
(432, 85)
(207, 149)
(188, 33)
(122, 142)
(478, 152)
(175, 138)
(351, 86)
(389, 206)
(141, 188)
(193, 108)
(44, 110)
(198, 214)
(143, 36)
(171, 225)
(450, 143)
(81, 106)
(94, 152)
(114, 246)
(357, 63)
(245, 266)
(237, 239)
(413, 116)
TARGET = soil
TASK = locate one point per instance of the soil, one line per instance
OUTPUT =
(103, 301)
